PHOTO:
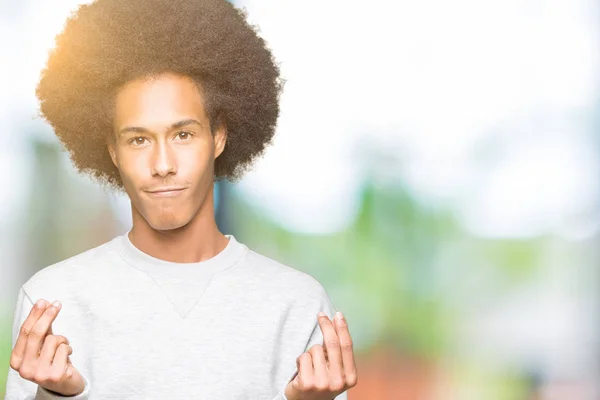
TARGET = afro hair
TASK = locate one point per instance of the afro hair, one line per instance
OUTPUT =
(107, 43)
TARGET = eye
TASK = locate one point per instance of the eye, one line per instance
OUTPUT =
(136, 140)
(184, 135)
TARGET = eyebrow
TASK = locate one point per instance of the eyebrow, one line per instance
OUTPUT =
(176, 125)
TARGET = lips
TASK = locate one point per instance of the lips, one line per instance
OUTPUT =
(166, 192)
(166, 189)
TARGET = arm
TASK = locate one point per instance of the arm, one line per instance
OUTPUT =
(18, 388)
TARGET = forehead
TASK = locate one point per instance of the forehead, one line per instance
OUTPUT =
(158, 101)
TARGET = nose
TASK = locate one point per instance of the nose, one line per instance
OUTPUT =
(163, 160)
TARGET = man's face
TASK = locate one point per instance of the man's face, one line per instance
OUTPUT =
(163, 141)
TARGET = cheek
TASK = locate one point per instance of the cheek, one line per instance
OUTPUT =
(134, 170)
(197, 162)
(134, 167)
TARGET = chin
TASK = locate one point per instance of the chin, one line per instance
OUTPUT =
(163, 218)
(167, 222)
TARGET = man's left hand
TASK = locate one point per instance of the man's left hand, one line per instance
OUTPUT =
(327, 370)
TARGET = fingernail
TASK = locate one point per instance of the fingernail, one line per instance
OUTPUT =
(322, 314)
(339, 316)
(56, 304)
(40, 303)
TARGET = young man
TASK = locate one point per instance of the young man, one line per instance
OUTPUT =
(160, 98)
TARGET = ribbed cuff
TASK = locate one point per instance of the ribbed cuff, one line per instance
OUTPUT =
(44, 394)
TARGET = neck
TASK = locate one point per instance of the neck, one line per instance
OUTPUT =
(198, 240)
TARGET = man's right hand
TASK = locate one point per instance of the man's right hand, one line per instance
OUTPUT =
(42, 357)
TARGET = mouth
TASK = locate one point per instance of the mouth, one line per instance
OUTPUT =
(170, 192)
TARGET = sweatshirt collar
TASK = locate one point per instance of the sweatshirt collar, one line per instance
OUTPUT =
(228, 257)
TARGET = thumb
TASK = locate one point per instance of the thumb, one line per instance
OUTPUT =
(291, 391)
(74, 382)
(294, 377)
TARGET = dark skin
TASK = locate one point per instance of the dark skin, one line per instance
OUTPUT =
(163, 141)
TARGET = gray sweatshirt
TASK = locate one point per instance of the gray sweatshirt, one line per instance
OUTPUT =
(230, 327)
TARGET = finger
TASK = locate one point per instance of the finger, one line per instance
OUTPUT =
(305, 368)
(59, 365)
(347, 349)
(18, 353)
(331, 343)
(51, 343)
(57, 372)
(63, 371)
(39, 332)
(319, 366)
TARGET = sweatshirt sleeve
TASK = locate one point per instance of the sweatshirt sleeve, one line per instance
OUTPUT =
(18, 388)
(316, 337)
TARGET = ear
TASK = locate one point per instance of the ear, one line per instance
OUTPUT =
(113, 154)
(220, 137)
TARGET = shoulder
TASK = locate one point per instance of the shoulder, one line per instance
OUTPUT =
(299, 293)
(283, 278)
(64, 274)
